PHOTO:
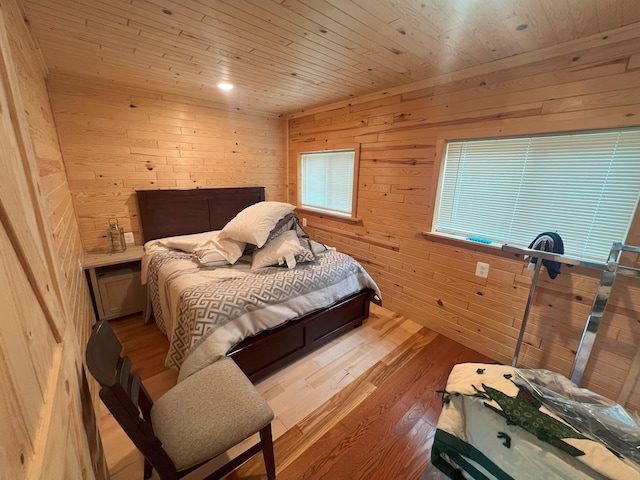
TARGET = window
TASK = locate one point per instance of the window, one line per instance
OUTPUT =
(327, 181)
(585, 187)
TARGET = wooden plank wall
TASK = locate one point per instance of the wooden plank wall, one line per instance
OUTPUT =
(50, 404)
(588, 84)
(116, 140)
(51, 175)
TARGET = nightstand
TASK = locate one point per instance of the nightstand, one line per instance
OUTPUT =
(114, 279)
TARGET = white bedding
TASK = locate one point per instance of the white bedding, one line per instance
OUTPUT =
(480, 441)
(206, 311)
(186, 243)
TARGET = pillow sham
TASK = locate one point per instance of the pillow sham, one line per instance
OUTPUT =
(319, 247)
(282, 250)
(254, 223)
(290, 222)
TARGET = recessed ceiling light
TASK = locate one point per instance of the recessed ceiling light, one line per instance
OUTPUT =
(225, 86)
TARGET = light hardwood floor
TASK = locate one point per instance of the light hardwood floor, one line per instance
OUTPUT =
(363, 406)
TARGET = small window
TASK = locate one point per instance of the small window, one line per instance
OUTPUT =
(585, 187)
(327, 181)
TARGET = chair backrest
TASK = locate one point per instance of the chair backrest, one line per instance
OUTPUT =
(124, 394)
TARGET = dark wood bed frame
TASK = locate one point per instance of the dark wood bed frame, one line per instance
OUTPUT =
(165, 213)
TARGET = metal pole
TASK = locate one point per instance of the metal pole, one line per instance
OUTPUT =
(596, 314)
(525, 317)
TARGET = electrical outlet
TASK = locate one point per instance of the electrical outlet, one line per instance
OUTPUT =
(128, 238)
(304, 222)
(482, 270)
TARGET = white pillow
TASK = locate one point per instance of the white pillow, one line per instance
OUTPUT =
(279, 251)
(231, 250)
(254, 223)
(210, 256)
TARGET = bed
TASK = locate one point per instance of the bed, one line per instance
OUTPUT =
(499, 422)
(298, 323)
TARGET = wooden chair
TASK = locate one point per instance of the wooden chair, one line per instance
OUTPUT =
(200, 418)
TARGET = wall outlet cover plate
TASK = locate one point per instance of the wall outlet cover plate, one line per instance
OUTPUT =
(128, 238)
(482, 269)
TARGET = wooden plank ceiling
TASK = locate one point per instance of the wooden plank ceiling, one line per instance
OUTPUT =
(288, 55)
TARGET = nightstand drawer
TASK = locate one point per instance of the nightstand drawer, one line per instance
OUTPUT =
(115, 285)
(121, 292)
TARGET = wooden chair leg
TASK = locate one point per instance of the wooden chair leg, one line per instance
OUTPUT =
(148, 469)
(267, 452)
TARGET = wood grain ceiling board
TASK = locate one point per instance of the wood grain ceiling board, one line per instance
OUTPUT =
(289, 55)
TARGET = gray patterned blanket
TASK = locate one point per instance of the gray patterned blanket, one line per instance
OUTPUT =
(207, 311)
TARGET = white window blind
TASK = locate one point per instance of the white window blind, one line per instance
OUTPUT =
(585, 187)
(327, 181)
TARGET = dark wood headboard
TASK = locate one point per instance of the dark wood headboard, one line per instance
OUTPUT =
(166, 213)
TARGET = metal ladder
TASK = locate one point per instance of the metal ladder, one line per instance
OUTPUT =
(613, 268)
(609, 272)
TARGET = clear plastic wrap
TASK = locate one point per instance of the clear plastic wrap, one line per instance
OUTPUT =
(588, 412)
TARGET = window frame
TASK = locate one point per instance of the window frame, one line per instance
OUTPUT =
(515, 131)
(354, 189)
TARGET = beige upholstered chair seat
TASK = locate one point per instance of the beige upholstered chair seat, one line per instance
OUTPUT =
(218, 396)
